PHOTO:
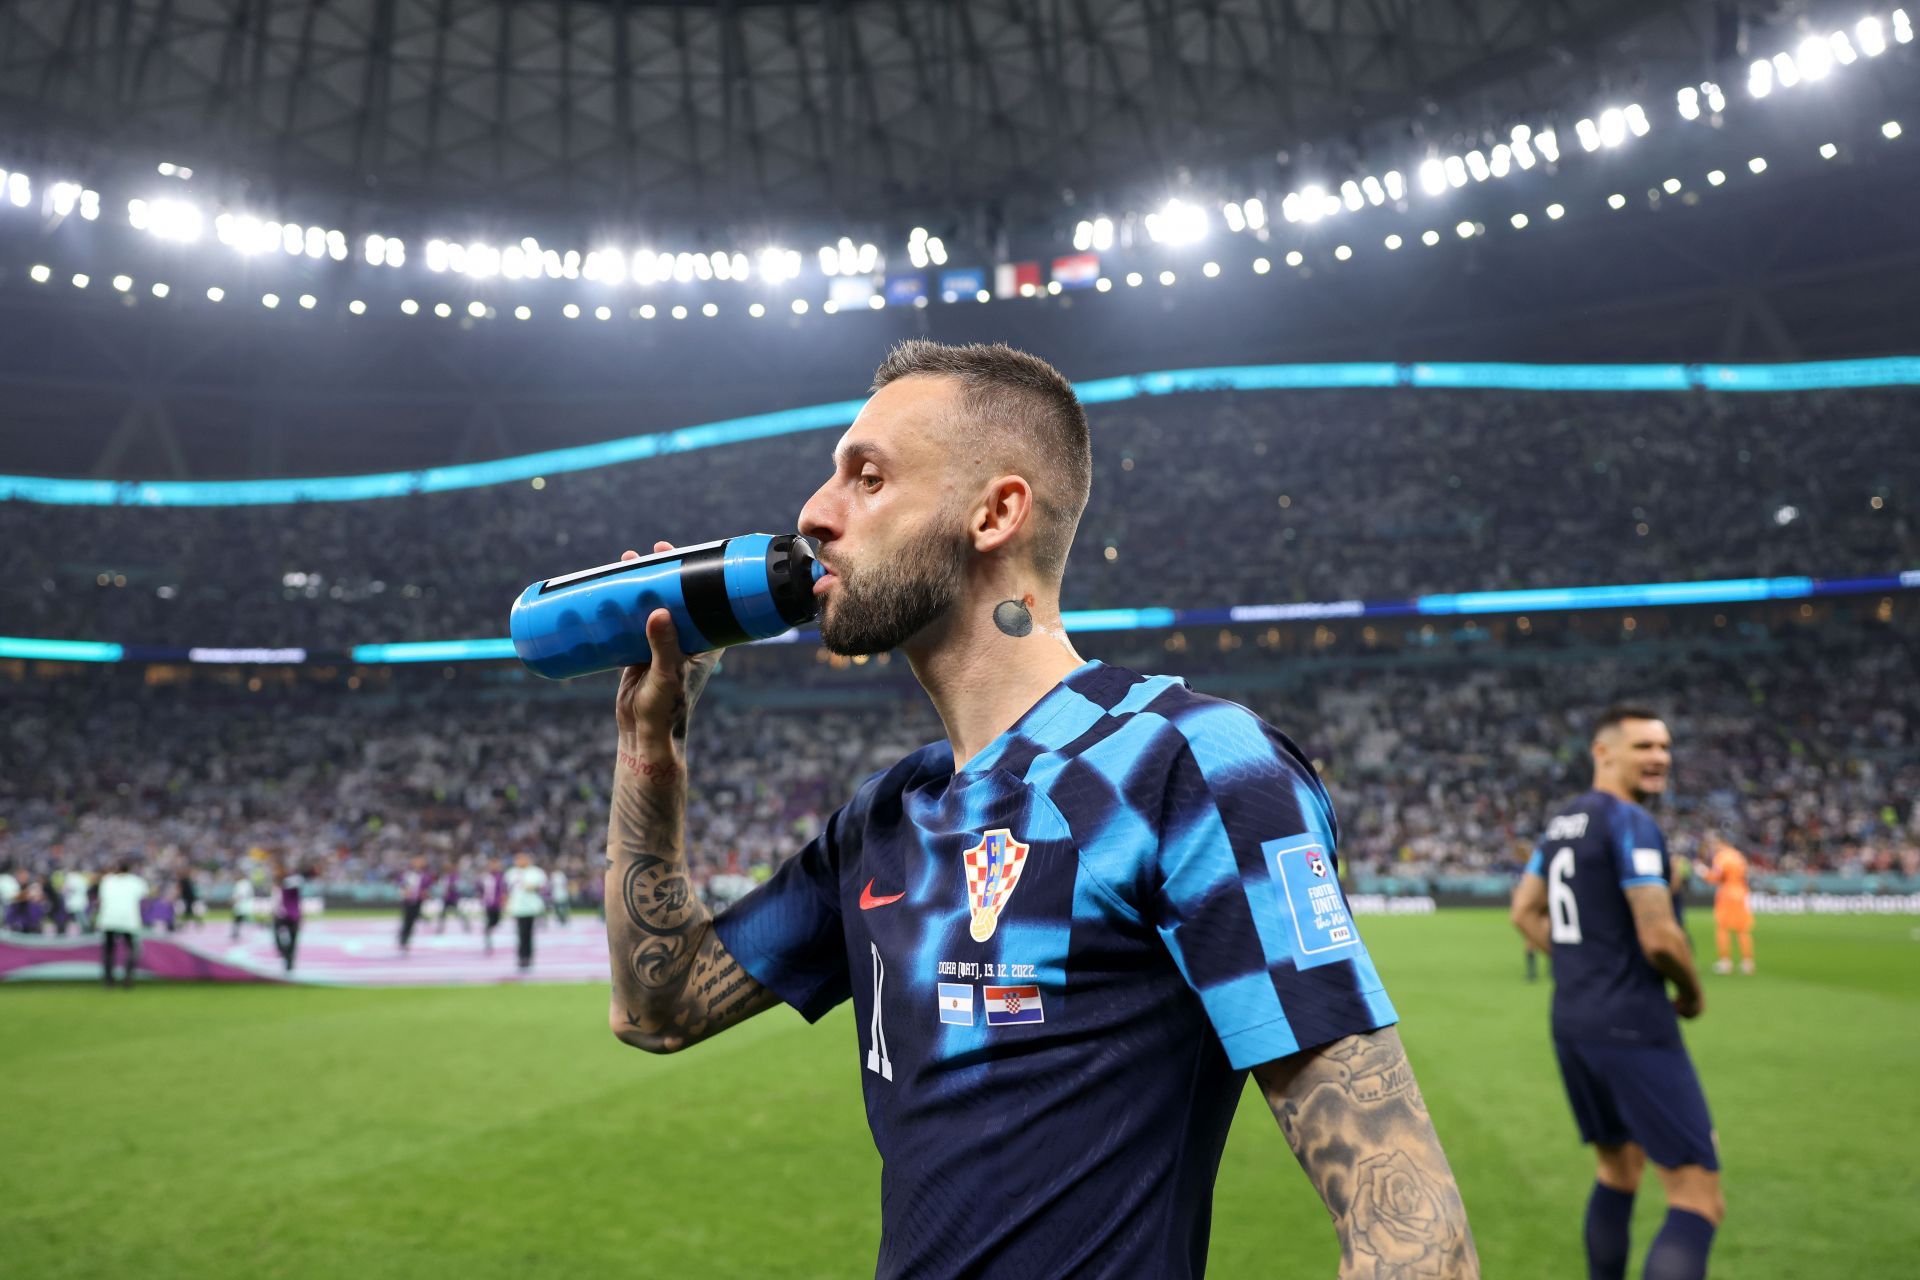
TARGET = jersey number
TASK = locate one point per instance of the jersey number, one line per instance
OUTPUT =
(1562, 911)
(877, 1059)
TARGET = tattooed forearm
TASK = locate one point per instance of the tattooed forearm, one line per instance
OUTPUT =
(673, 981)
(1355, 1119)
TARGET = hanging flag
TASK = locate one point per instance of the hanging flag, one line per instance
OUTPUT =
(962, 285)
(1016, 279)
(1077, 271)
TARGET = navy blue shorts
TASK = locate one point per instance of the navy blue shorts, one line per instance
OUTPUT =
(1633, 1093)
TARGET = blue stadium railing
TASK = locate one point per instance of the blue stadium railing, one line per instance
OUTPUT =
(1536, 600)
(1890, 371)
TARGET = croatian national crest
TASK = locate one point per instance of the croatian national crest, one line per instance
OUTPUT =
(993, 869)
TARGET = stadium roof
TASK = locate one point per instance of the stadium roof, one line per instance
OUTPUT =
(734, 109)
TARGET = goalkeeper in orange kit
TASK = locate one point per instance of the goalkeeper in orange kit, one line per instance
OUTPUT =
(1727, 873)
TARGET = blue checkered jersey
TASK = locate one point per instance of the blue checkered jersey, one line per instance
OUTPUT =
(1603, 987)
(1062, 959)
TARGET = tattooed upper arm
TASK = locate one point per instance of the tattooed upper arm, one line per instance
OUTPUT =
(1355, 1119)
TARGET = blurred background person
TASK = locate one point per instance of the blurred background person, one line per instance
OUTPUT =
(119, 920)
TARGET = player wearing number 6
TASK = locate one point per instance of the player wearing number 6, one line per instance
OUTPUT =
(1596, 893)
(1070, 929)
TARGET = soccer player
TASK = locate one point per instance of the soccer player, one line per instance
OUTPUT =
(1596, 892)
(525, 903)
(1727, 873)
(1069, 929)
(557, 895)
(416, 882)
(121, 892)
(493, 897)
(287, 910)
(242, 902)
(450, 899)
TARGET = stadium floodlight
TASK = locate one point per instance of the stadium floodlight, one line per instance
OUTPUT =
(1785, 70)
(869, 260)
(160, 289)
(40, 273)
(269, 300)
(63, 196)
(1637, 123)
(1588, 133)
(1351, 196)
(1290, 206)
(123, 283)
(1456, 169)
(1134, 279)
(1671, 186)
(1395, 184)
(1689, 102)
(216, 293)
(514, 264)
(603, 313)
(1207, 269)
(443, 310)
(137, 214)
(1393, 242)
(436, 255)
(1500, 160)
(1716, 101)
(1179, 222)
(1828, 151)
(876, 301)
(827, 308)
(1313, 203)
(1760, 78)
(314, 243)
(711, 309)
(409, 307)
(1477, 166)
(722, 264)
(1433, 176)
(1429, 237)
(478, 310)
(1370, 187)
(1295, 257)
(571, 311)
(1842, 49)
(702, 267)
(1890, 130)
(1902, 27)
(1758, 164)
(1230, 212)
(1167, 277)
(1102, 285)
(81, 280)
(1616, 201)
(800, 305)
(1613, 127)
(177, 220)
(308, 301)
(337, 245)
(1716, 177)
(1549, 143)
(1261, 266)
(1786, 515)
(1519, 221)
(647, 312)
(374, 249)
(570, 265)
(1873, 38)
(19, 189)
(1464, 230)
(983, 296)
(1555, 212)
(756, 310)
(937, 248)
(1255, 208)
(1814, 58)
(1343, 252)
(357, 307)
(777, 265)
(829, 260)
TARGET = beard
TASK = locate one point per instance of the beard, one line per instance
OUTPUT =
(881, 607)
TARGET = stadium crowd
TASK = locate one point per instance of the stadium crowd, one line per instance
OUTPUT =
(1802, 746)
(1198, 500)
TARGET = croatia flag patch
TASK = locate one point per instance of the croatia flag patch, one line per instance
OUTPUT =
(1008, 1006)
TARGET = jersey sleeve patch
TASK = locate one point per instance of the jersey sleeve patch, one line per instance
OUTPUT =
(1308, 896)
(1646, 862)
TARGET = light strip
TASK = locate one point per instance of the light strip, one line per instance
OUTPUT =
(1890, 371)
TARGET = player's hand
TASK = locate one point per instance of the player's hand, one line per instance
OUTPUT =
(656, 697)
(1689, 1007)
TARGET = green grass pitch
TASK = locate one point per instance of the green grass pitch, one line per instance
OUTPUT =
(228, 1131)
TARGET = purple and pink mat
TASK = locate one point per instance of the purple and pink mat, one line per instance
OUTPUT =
(334, 952)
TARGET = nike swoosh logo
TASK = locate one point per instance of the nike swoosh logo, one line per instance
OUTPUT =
(868, 902)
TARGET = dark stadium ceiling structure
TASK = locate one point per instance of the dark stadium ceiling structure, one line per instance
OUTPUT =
(728, 112)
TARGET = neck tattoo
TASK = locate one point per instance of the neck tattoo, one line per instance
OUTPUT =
(1014, 618)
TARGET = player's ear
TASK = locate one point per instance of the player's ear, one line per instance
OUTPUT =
(1004, 509)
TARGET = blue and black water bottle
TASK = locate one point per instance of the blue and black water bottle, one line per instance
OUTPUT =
(721, 593)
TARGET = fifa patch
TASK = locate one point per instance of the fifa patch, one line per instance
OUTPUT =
(956, 1003)
(1310, 899)
(1646, 862)
(993, 869)
(1012, 1006)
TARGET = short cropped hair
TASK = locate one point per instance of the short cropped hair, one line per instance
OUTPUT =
(1620, 712)
(1036, 419)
